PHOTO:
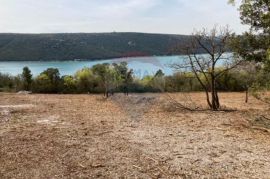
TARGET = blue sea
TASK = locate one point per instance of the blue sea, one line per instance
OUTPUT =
(142, 66)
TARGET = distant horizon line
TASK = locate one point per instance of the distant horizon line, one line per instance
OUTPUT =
(116, 32)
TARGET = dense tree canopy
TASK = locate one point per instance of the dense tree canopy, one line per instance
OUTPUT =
(46, 47)
(256, 43)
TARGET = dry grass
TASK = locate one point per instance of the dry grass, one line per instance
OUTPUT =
(84, 136)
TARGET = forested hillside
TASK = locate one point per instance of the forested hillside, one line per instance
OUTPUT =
(85, 45)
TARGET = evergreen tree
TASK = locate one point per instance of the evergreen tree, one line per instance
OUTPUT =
(27, 78)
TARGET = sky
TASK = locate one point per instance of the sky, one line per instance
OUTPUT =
(151, 16)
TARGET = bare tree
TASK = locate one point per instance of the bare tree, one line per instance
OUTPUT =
(208, 59)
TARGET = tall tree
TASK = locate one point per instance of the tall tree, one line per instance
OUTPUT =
(27, 78)
(49, 79)
(126, 76)
(107, 76)
(158, 81)
(85, 80)
(255, 44)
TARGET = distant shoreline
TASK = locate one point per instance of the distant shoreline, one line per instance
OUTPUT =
(94, 59)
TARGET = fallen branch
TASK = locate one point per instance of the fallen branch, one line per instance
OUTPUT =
(102, 133)
(261, 129)
(137, 167)
(97, 165)
(265, 117)
(181, 106)
(178, 104)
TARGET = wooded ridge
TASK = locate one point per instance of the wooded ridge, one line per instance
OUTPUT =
(66, 46)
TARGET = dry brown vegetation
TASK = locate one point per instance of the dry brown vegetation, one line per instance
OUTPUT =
(140, 136)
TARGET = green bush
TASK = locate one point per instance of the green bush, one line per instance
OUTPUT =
(48, 81)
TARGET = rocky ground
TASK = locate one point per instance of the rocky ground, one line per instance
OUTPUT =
(140, 136)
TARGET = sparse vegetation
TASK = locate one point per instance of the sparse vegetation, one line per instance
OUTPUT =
(81, 135)
(210, 119)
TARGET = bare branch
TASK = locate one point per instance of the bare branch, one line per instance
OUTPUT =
(204, 66)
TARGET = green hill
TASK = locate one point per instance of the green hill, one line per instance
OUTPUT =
(37, 47)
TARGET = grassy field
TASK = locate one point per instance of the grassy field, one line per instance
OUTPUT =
(140, 136)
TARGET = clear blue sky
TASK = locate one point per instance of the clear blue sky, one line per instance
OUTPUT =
(156, 16)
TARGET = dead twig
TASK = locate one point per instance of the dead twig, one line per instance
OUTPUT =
(137, 167)
(261, 129)
(265, 117)
(102, 133)
(97, 166)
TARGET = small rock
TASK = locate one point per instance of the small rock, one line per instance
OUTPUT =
(24, 92)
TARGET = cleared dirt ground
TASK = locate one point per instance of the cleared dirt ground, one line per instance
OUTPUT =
(140, 136)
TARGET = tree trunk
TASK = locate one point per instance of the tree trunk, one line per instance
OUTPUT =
(213, 95)
(127, 92)
(246, 96)
(208, 99)
(106, 94)
(215, 99)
